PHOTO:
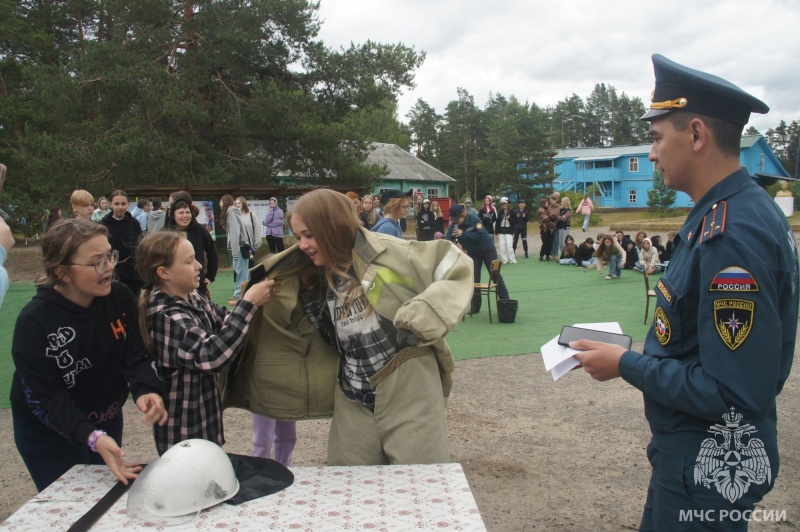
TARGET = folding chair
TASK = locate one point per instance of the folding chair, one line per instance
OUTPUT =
(648, 294)
(491, 286)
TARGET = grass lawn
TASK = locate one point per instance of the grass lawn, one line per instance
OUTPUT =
(549, 297)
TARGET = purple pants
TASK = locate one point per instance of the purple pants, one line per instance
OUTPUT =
(283, 433)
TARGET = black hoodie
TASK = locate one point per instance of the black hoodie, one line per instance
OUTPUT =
(74, 364)
(123, 235)
(204, 249)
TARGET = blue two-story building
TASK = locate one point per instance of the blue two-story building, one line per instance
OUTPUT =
(622, 175)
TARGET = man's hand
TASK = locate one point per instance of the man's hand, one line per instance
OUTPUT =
(600, 360)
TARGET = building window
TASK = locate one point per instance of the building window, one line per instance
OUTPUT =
(761, 164)
(433, 192)
(633, 164)
(579, 166)
(632, 195)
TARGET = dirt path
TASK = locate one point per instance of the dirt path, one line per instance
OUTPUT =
(538, 454)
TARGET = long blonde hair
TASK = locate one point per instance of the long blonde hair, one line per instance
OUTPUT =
(371, 216)
(333, 220)
(153, 251)
(245, 209)
(227, 203)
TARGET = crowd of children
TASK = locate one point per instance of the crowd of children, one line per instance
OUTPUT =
(170, 349)
(619, 251)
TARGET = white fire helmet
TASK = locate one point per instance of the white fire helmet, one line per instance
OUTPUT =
(189, 477)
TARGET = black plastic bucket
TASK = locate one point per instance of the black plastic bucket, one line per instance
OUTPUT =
(507, 310)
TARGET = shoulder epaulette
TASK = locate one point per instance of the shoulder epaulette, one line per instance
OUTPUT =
(714, 221)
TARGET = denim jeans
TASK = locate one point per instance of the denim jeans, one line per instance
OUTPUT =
(614, 266)
(587, 263)
(586, 221)
(241, 267)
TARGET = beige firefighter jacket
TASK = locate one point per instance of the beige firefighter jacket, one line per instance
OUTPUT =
(288, 371)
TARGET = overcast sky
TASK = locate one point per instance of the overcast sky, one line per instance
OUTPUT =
(543, 52)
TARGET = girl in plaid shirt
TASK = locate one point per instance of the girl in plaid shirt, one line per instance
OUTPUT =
(192, 338)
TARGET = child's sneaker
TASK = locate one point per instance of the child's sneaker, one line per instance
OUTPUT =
(608, 277)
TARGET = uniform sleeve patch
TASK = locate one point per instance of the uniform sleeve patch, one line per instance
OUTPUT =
(734, 319)
(663, 289)
(478, 226)
(733, 279)
(662, 326)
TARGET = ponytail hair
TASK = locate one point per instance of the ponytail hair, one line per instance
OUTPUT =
(153, 251)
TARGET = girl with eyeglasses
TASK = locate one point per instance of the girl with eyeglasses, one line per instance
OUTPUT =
(78, 354)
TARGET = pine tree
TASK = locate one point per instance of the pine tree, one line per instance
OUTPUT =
(660, 197)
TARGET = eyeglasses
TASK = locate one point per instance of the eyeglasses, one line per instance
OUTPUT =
(100, 266)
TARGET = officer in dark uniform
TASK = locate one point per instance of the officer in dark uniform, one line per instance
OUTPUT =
(467, 231)
(722, 340)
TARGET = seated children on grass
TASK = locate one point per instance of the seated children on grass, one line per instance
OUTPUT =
(648, 258)
(669, 247)
(584, 255)
(631, 255)
(568, 253)
(656, 241)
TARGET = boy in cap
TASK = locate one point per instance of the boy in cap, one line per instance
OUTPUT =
(468, 231)
(469, 208)
(723, 337)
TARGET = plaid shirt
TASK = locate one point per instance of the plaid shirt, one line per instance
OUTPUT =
(363, 353)
(194, 341)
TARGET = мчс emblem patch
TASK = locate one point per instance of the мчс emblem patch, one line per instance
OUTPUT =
(734, 320)
(733, 279)
(662, 327)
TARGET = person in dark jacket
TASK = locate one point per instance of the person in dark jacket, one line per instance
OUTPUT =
(584, 257)
(466, 230)
(124, 232)
(521, 216)
(55, 217)
(182, 218)
(631, 255)
(669, 247)
(488, 214)
(546, 230)
(78, 355)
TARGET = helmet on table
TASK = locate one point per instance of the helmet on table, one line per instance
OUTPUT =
(191, 476)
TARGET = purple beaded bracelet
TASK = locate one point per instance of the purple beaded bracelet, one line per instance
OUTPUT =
(93, 437)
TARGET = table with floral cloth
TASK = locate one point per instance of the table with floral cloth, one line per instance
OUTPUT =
(397, 497)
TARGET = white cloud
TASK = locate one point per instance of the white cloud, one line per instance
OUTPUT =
(543, 51)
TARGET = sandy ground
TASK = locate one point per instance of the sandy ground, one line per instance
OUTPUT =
(538, 454)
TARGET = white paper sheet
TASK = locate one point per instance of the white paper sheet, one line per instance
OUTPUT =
(559, 360)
